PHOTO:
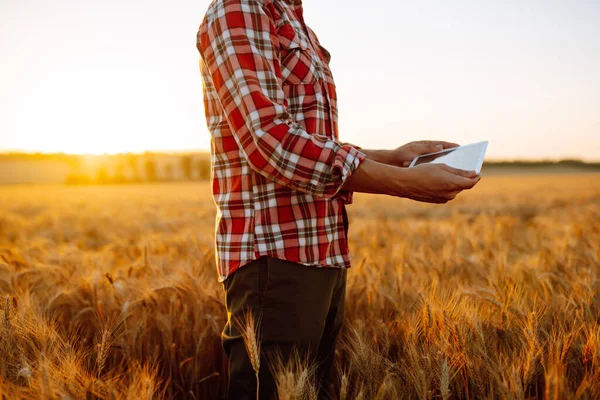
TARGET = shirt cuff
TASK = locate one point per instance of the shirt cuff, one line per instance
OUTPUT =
(346, 161)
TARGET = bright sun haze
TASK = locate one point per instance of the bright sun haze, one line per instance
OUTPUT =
(119, 76)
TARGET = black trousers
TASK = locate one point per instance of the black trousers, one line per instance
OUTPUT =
(299, 307)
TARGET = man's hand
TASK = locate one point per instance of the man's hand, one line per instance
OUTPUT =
(430, 183)
(437, 183)
(403, 156)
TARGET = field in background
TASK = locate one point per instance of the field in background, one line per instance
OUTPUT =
(176, 167)
(111, 291)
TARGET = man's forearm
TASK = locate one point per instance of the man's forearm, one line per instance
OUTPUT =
(431, 183)
(376, 178)
(380, 156)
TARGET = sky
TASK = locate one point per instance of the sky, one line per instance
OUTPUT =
(122, 75)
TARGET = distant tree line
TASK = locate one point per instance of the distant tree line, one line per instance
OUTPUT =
(165, 167)
(133, 168)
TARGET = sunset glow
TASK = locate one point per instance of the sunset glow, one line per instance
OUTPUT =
(96, 77)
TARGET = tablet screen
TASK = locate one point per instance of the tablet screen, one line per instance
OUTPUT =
(468, 157)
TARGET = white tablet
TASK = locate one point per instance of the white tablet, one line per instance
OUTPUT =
(468, 157)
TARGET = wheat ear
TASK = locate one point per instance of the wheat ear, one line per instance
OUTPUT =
(251, 337)
(344, 387)
(103, 349)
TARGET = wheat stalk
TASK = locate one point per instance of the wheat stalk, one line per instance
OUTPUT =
(387, 389)
(103, 349)
(251, 337)
(445, 380)
(344, 387)
(46, 386)
(7, 313)
(360, 395)
(286, 385)
(305, 387)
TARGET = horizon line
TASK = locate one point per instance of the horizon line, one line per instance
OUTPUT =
(207, 151)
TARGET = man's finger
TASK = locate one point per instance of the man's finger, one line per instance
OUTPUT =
(440, 144)
(464, 183)
(429, 147)
(434, 148)
(452, 195)
(448, 145)
(459, 172)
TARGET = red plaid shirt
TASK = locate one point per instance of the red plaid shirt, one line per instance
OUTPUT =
(277, 164)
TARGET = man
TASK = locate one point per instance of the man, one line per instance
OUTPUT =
(281, 180)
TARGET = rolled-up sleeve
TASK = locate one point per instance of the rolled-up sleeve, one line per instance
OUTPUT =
(239, 50)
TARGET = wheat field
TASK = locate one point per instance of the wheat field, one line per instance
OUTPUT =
(110, 292)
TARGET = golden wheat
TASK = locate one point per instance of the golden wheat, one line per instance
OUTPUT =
(251, 335)
(344, 387)
(7, 314)
(296, 378)
(111, 292)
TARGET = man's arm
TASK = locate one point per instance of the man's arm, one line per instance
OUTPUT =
(239, 48)
(431, 183)
(380, 156)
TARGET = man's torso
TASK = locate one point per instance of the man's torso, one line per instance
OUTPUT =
(255, 216)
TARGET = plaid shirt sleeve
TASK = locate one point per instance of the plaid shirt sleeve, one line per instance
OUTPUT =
(240, 50)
